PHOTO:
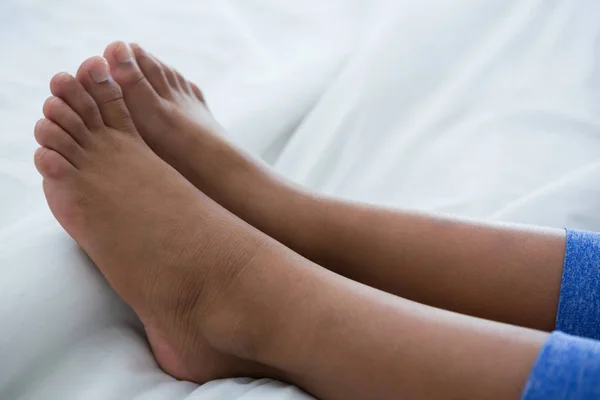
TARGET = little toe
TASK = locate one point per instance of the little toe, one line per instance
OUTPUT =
(71, 91)
(59, 112)
(52, 165)
(95, 77)
(197, 92)
(53, 137)
(152, 70)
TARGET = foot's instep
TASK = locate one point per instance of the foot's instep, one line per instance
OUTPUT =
(172, 117)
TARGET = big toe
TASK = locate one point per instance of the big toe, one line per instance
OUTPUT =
(94, 75)
(138, 85)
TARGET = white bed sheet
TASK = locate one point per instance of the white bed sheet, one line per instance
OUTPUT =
(484, 109)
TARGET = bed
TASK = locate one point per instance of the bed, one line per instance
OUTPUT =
(487, 110)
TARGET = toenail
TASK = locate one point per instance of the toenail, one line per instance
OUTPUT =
(63, 77)
(123, 53)
(53, 102)
(40, 124)
(99, 72)
(40, 153)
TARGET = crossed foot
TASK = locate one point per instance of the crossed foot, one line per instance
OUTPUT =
(116, 143)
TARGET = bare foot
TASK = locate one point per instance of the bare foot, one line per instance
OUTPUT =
(181, 261)
(172, 117)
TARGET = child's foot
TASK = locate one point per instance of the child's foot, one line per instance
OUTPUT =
(171, 115)
(180, 260)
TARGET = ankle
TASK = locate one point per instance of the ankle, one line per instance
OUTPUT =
(219, 169)
(252, 191)
(256, 310)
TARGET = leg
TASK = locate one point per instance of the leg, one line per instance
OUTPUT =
(504, 273)
(219, 298)
(352, 342)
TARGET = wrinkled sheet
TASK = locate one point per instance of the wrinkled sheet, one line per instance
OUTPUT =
(483, 109)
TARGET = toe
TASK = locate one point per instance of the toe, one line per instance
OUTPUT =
(169, 74)
(50, 164)
(125, 69)
(183, 83)
(59, 112)
(53, 137)
(197, 92)
(95, 77)
(152, 70)
(66, 87)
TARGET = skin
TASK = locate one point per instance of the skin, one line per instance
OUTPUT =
(218, 297)
(506, 273)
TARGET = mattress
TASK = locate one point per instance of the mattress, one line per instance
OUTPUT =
(487, 110)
